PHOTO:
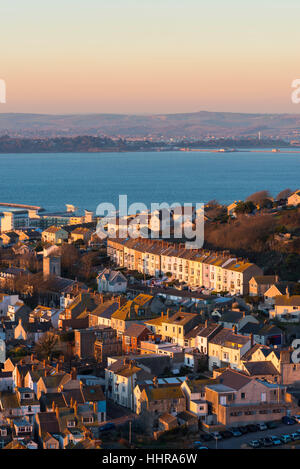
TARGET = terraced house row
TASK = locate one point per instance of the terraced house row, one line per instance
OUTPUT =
(219, 271)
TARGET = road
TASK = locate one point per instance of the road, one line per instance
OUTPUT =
(241, 441)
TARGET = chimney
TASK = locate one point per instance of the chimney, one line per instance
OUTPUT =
(32, 357)
(287, 292)
(206, 323)
(155, 381)
(53, 406)
(234, 329)
(119, 301)
(252, 339)
(95, 408)
(73, 373)
(45, 372)
(75, 408)
(57, 412)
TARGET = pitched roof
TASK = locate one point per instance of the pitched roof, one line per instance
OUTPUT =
(48, 422)
(231, 317)
(261, 368)
(286, 300)
(234, 379)
(228, 338)
(265, 279)
(135, 330)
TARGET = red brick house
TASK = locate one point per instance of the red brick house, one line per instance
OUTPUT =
(133, 336)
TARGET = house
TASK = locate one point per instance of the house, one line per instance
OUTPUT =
(121, 376)
(46, 424)
(111, 281)
(54, 235)
(101, 315)
(264, 370)
(133, 336)
(227, 348)
(49, 442)
(6, 381)
(286, 308)
(294, 198)
(237, 319)
(239, 399)
(6, 301)
(52, 383)
(158, 399)
(264, 334)
(107, 344)
(194, 391)
(9, 238)
(174, 328)
(81, 234)
(277, 289)
(143, 307)
(231, 207)
(261, 283)
(31, 331)
(204, 334)
(289, 371)
(28, 402)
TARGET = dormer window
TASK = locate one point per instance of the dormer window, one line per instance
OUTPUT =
(71, 423)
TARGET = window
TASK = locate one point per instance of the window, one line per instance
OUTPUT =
(242, 395)
(223, 400)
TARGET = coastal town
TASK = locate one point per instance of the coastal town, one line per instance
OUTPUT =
(141, 342)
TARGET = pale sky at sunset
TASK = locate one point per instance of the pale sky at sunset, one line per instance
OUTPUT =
(149, 56)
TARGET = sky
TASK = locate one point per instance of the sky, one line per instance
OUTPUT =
(149, 56)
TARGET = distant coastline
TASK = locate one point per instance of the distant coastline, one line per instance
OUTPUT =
(90, 144)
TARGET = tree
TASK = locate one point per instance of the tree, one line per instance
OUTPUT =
(256, 197)
(245, 207)
(46, 344)
(284, 194)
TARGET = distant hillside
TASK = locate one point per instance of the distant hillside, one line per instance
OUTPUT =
(199, 124)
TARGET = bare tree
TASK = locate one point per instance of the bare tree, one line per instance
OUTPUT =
(258, 196)
(284, 194)
(46, 344)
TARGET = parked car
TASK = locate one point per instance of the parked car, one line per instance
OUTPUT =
(262, 426)
(243, 430)
(285, 438)
(235, 432)
(267, 441)
(205, 437)
(226, 434)
(297, 418)
(254, 444)
(276, 440)
(288, 420)
(107, 427)
(252, 428)
(271, 424)
(295, 436)
(196, 444)
(216, 435)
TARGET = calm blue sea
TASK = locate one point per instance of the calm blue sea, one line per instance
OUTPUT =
(86, 179)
